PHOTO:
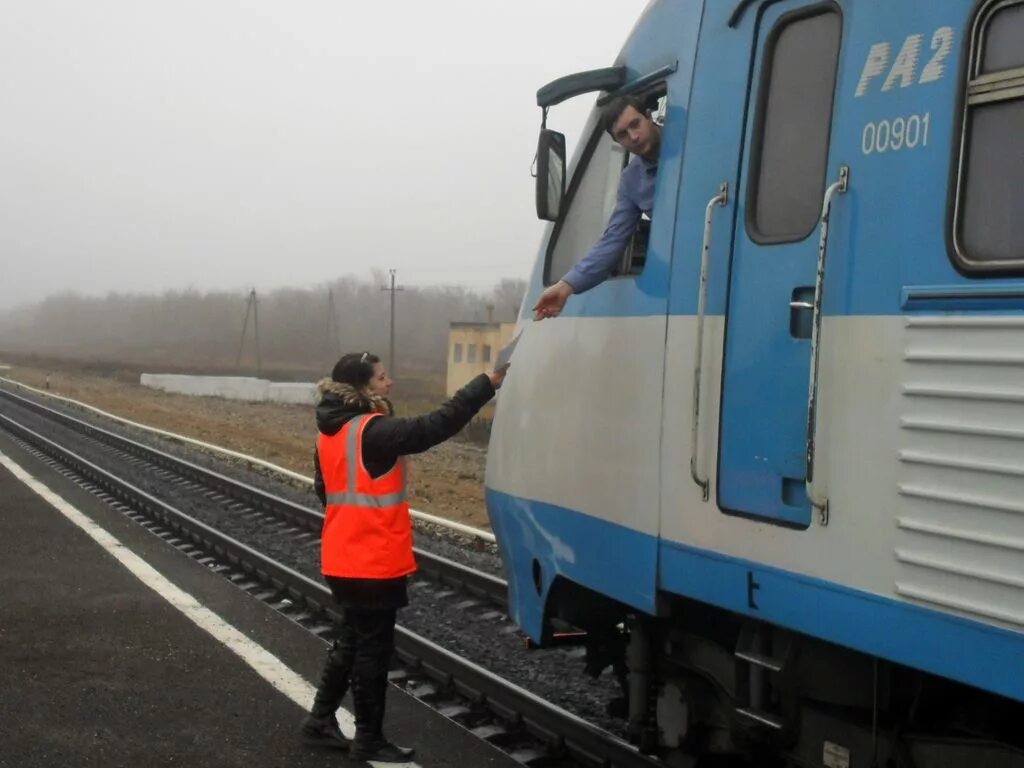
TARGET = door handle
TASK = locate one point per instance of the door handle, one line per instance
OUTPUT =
(698, 355)
(818, 500)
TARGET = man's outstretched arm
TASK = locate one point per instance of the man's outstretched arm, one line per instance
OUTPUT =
(599, 262)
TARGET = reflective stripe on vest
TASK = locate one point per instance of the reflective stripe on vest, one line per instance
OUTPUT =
(349, 497)
(367, 532)
(362, 500)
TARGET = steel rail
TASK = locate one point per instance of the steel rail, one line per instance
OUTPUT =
(253, 461)
(560, 729)
(445, 570)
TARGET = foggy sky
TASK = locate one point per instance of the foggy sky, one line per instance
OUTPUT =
(225, 144)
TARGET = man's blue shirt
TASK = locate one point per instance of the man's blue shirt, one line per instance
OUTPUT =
(635, 196)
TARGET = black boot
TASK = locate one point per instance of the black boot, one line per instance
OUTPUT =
(369, 689)
(320, 728)
(382, 751)
(323, 732)
(337, 671)
(370, 743)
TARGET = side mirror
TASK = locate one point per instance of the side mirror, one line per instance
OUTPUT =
(550, 174)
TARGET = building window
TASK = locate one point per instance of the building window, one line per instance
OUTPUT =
(789, 157)
(471, 353)
(457, 353)
(988, 229)
(485, 353)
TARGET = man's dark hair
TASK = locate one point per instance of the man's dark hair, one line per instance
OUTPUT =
(355, 369)
(611, 111)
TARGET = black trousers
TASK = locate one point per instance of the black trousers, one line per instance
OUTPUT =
(359, 657)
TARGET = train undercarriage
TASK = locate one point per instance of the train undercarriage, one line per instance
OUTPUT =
(704, 686)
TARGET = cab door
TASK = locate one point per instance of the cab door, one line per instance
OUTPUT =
(785, 167)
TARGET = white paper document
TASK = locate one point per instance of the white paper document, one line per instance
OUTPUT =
(505, 353)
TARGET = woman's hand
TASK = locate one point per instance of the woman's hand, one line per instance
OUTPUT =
(497, 376)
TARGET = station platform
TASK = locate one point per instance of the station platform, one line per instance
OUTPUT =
(119, 650)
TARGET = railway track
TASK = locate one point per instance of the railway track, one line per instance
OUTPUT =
(298, 517)
(528, 727)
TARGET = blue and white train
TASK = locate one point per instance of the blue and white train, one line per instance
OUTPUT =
(775, 466)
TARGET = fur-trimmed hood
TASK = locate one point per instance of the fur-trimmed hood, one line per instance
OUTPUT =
(337, 403)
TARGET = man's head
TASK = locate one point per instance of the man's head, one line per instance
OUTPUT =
(626, 120)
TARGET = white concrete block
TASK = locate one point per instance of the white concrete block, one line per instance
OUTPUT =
(299, 393)
(243, 388)
(230, 387)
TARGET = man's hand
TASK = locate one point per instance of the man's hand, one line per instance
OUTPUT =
(552, 300)
(497, 376)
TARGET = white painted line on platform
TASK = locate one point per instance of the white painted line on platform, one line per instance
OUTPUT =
(266, 664)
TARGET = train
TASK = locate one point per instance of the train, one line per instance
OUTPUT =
(772, 469)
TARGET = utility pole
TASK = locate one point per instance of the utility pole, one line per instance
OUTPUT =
(252, 305)
(333, 339)
(256, 331)
(391, 344)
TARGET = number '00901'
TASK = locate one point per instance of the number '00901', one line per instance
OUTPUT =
(894, 135)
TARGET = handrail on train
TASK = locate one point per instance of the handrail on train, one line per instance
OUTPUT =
(818, 500)
(721, 199)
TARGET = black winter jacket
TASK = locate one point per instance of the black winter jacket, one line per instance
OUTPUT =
(386, 438)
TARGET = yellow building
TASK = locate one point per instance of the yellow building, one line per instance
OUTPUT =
(472, 348)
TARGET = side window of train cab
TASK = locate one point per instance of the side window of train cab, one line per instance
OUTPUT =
(591, 199)
(988, 213)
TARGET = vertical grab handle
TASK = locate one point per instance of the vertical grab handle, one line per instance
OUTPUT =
(698, 355)
(819, 501)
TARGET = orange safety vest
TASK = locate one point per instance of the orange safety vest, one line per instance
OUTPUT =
(367, 533)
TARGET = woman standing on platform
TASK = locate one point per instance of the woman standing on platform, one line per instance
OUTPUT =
(366, 545)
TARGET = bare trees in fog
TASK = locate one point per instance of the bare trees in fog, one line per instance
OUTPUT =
(298, 328)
